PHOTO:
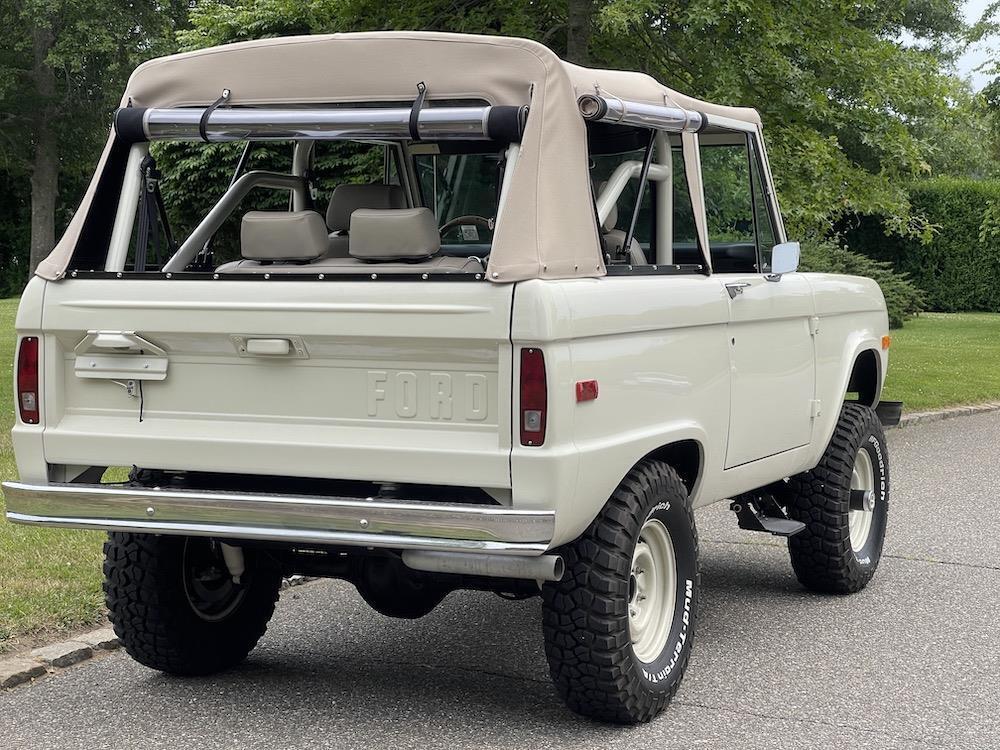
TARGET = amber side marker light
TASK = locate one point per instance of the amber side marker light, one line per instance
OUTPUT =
(27, 379)
(886, 340)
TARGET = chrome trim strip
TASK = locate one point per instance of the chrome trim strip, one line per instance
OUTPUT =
(283, 518)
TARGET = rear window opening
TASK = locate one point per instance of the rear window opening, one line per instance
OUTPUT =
(300, 208)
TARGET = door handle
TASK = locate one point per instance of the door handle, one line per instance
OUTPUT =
(736, 287)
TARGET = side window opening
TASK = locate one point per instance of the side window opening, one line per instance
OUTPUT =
(762, 216)
(665, 234)
(739, 227)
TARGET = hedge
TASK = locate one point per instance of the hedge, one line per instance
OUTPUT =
(902, 298)
(959, 269)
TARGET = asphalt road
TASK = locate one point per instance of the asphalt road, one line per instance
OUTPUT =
(911, 662)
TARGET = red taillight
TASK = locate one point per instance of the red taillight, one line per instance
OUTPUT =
(27, 379)
(534, 397)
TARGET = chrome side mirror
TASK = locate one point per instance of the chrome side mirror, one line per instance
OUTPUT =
(785, 258)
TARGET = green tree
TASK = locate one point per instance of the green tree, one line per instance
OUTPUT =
(63, 66)
(852, 114)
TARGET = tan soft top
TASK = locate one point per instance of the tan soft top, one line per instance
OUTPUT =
(549, 229)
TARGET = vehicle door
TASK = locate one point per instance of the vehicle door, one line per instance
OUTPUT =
(771, 317)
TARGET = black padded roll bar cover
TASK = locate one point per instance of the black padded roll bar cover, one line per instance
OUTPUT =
(505, 123)
(128, 124)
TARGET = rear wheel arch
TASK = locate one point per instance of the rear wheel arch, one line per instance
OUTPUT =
(865, 378)
(686, 457)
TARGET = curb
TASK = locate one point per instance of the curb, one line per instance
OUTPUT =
(923, 417)
(44, 660)
(16, 670)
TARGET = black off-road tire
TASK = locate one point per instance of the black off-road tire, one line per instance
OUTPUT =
(822, 555)
(152, 614)
(586, 614)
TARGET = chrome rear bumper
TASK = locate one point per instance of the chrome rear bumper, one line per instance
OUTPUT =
(366, 522)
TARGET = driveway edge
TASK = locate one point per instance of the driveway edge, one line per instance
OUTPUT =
(18, 669)
(922, 417)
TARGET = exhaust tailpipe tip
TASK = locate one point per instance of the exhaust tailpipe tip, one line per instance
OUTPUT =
(541, 568)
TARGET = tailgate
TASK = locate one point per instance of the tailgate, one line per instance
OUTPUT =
(405, 381)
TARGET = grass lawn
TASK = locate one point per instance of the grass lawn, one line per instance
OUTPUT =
(48, 578)
(52, 579)
(945, 359)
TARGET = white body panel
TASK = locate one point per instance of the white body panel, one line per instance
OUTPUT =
(389, 375)
(773, 365)
(417, 381)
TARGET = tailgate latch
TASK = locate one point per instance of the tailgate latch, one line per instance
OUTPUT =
(119, 356)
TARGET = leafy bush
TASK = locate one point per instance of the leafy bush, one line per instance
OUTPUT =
(959, 267)
(902, 297)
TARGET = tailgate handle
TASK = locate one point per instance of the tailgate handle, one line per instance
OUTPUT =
(119, 355)
(278, 347)
(269, 347)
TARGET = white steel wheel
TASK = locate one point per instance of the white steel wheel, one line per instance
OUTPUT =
(860, 521)
(652, 591)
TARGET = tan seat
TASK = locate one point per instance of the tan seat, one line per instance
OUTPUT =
(287, 237)
(346, 199)
(614, 238)
(379, 235)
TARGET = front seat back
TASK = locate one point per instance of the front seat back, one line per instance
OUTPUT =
(346, 199)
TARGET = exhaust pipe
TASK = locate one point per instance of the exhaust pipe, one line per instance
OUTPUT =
(541, 568)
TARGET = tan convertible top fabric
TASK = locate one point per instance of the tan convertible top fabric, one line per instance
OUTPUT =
(548, 229)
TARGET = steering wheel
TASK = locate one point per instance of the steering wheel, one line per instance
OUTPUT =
(469, 219)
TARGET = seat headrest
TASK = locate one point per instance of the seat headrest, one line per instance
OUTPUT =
(346, 199)
(283, 235)
(393, 234)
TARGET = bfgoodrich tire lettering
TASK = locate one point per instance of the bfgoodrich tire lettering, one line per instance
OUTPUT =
(150, 605)
(823, 556)
(586, 615)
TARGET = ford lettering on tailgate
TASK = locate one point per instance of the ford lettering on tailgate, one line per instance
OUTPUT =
(431, 395)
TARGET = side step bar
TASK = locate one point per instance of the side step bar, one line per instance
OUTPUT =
(764, 514)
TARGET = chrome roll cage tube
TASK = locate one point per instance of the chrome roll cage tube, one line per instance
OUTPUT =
(139, 124)
(596, 108)
(221, 210)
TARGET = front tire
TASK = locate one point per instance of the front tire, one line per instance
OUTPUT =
(840, 548)
(619, 626)
(175, 606)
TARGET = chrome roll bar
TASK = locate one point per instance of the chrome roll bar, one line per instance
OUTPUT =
(595, 108)
(138, 124)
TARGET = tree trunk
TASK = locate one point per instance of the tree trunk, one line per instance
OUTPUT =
(45, 161)
(579, 27)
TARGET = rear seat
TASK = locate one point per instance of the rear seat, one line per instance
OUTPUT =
(380, 241)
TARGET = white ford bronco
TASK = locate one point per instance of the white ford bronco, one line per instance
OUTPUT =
(559, 317)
